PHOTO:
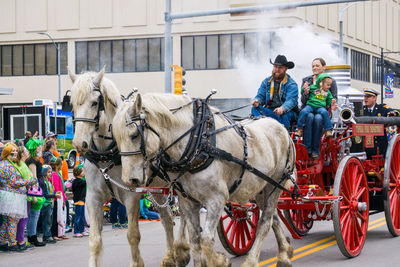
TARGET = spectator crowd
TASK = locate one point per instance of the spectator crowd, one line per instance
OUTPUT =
(34, 203)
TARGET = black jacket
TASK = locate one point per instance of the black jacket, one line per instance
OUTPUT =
(380, 110)
(79, 189)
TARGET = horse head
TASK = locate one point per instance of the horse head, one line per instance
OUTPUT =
(141, 128)
(94, 99)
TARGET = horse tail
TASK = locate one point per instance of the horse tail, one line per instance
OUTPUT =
(290, 168)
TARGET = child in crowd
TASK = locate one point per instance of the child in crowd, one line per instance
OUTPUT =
(319, 100)
(117, 208)
(79, 191)
(59, 210)
(145, 213)
(47, 210)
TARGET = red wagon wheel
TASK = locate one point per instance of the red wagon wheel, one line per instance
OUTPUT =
(350, 213)
(391, 186)
(238, 231)
(299, 221)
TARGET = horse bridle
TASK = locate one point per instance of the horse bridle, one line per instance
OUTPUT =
(142, 150)
(96, 119)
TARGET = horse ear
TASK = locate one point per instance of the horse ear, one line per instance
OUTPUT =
(138, 104)
(99, 77)
(71, 75)
(136, 107)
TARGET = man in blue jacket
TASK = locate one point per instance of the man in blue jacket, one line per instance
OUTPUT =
(277, 96)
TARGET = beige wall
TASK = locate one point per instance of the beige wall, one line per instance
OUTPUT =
(367, 27)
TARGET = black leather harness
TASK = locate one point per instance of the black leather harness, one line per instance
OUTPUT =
(200, 151)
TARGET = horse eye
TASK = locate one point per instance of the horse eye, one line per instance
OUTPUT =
(94, 104)
(133, 136)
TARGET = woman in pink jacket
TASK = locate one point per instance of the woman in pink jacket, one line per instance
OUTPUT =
(59, 211)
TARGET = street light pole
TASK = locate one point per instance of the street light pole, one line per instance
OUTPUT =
(341, 13)
(57, 46)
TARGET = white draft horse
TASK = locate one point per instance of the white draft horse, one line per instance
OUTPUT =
(146, 127)
(95, 99)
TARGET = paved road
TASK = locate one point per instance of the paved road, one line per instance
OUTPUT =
(380, 249)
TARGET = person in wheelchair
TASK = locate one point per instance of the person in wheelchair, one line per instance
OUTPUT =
(278, 94)
(320, 99)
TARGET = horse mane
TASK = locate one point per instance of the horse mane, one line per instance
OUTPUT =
(158, 114)
(83, 86)
(158, 108)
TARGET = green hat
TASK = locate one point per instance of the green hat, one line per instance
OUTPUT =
(322, 76)
(32, 145)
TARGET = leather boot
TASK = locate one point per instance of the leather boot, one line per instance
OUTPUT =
(36, 242)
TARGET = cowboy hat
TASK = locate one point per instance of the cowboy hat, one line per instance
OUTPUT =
(281, 60)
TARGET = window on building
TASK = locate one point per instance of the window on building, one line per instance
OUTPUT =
(223, 51)
(129, 55)
(6, 60)
(360, 66)
(29, 59)
(32, 59)
(117, 56)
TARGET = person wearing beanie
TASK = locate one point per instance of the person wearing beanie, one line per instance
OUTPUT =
(13, 202)
(46, 213)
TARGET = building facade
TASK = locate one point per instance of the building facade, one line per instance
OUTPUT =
(230, 53)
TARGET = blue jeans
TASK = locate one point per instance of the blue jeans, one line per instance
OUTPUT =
(79, 220)
(285, 118)
(47, 220)
(321, 111)
(151, 214)
(117, 207)
(33, 218)
(312, 133)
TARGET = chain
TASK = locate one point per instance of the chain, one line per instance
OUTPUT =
(165, 204)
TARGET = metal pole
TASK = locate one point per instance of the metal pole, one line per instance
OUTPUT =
(57, 46)
(341, 52)
(168, 47)
(59, 86)
(382, 74)
(59, 73)
(257, 8)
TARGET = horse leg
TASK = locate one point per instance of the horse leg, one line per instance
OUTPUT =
(181, 245)
(263, 228)
(168, 224)
(192, 218)
(95, 210)
(214, 211)
(285, 250)
(133, 234)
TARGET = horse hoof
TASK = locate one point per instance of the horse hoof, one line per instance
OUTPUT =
(167, 263)
(221, 260)
(284, 263)
(182, 254)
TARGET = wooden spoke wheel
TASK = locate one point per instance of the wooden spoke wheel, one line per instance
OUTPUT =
(350, 213)
(299, 221)
(391, 186)
(238, 231)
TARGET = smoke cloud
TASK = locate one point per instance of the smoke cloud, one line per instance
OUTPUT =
(299, 44)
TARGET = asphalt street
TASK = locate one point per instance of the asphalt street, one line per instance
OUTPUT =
(319, 247)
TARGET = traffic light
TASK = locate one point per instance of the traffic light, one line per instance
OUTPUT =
(179, 82)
